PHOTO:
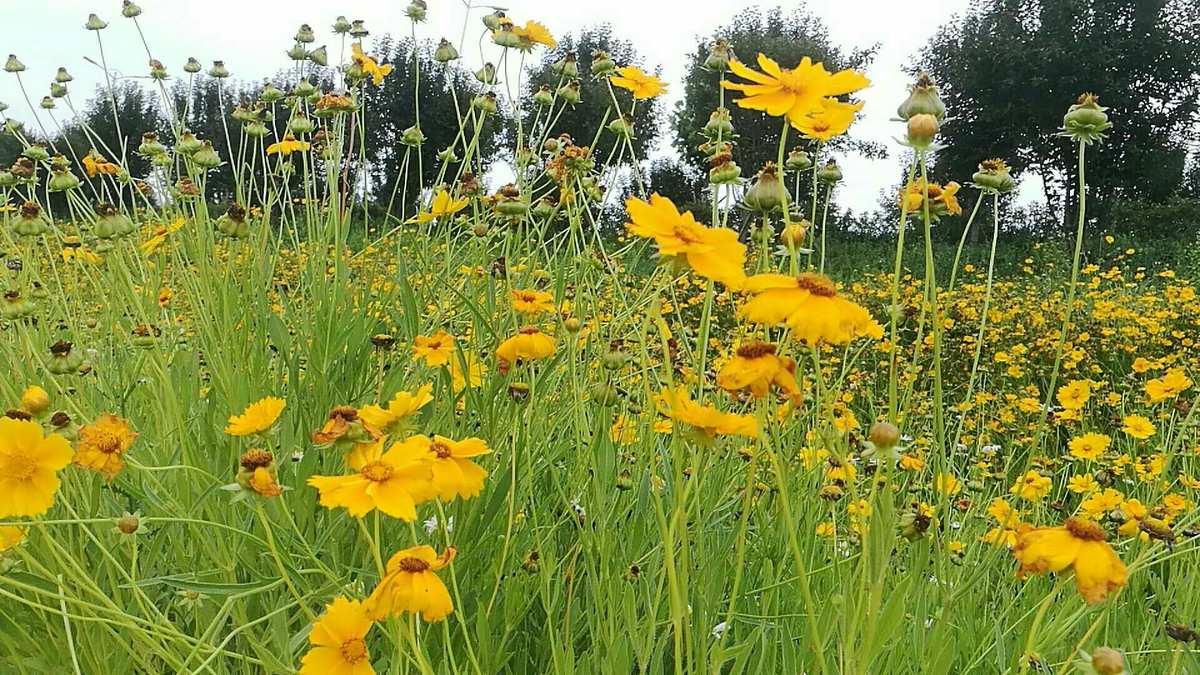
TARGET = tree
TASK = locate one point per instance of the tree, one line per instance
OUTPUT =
(595, 109)
(787, 38)
(1009, 69)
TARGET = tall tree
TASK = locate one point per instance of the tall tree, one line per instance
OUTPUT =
(1008, 69)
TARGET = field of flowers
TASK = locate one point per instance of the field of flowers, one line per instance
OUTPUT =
(277, 434)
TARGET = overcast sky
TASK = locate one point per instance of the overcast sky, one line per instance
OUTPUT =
(251, 36)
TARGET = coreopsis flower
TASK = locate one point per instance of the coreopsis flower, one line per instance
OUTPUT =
(437, 349)
(287, 146)
(102, 444)
(159, 237)
(755, 367)
(942, 199)
(410, 585)
(533, 302)
(35, 400)
(10, 536)
(637, 81)
(1170, 385)
(95, 164)
(529, 344)
(1032, 486)
(1079, 544)
(466, 373)
(443, 204)
(534, 33)
(258, 472)
(809, 305)
(337, 639)
(705, 421)
(791, 92)
(257, 418)
(1137, 426)
(343, 427)
(453, 473)
(370, 67)
(390, 481)
(1075, 394)
(1008, 521)
(29, 466)
(1089, 446)
(947, 484)
(402, 406)
(712, 252)
(832, 120)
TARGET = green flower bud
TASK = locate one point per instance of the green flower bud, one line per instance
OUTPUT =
(62, 76)
(445, 52)
(570, 92)
(719, 56)
(412, 136)
(297, 52)
(506, 37)
(922, 129)
(188, 143)
(486, 103)
(13, 64)
(719, 124)
(493, 20)
(416, 10)
(305, 34)
(768, 192)
(14, 306)
(48, 103)
(218, 70)
(63, 180)
(358, 30)
(157, 70)
(130, 10)
(487, 74)
(341, 26)
(567, 67)
(271, 94)
(63, 359)
(724, 172)
(798, 160)
(37, 152)
(206, 157)
(1086, 121)
(57, 90)
(319, 56)
(994, 175)
(622, 126)
(233, 222)
(94, 23)
(192, 66)
(605, 394)
(922, 99)
(299, 124)
(830, 173)
(602, 63)
(543, 96)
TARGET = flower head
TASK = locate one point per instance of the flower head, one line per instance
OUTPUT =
(29, 466)
(452, 473)
(389, 481)
(443, 204)
(832, 120)
(640, 83)
(370, 67)
(755, 367)
(529, 344)
(713, 253)
(706, 421)
(809, 305)
(436, 349)
(338, 644)
(1137, 426)
(402, 406)
(102, 444)
(534, 33)
(410, 585)
(794, 93)
(530, 301)
(942, 199)
(1079, 544)
(287, 146)
(257, 418)
(1089, 446)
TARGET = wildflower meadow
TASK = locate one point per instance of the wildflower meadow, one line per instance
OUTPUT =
(305, 420)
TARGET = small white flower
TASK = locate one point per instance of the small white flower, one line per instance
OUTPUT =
(578, 508)
(719, 630)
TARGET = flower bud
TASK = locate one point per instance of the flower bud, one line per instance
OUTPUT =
(130, 10)
(31, 221)
(63, 180)
(206, 157)
(922, 99)
(719, 56)
(233, 222)
(188, 143)
(798, 160)
(48, 103)
(341, 26)
(1104, 661)
(486, 103)
(487, 74)
(94, 23)
(412, 136)
(506, 37)
(994, 175)
(602, 63)
(63, 359)
(719, 124)
(192, 66)
(922, 129)
(35, 400)
(622, 126)
(445, 52)
(305, 34)
(218, 70)
(1086, 120)
(129, 524)
(573, 325)
(62, 76)
(13, 64)
(794, 233)
(570, 92)
(358, 29)
(605, 394)
(157, 70)
(768, 192)
(416, 10)
(543, 96)
(830, 173)
(319, 56)
(884, 435)
(567, 67)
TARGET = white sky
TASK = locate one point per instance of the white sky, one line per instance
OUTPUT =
(251, 36)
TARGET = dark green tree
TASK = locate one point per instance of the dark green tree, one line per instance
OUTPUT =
(1008, 69)
(785, 37)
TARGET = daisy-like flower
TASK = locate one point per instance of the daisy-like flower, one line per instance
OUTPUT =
(1137, 426)
(1079, 544)
(453, 472)
(809, 305)
(443, 204)
(337, 639)
(410, 585)
(258, 472)
(1089, 446)
(791, 92)
(712, 252)
(637, 81)
(402, 406)
(468, 375)
(706, 421)
(755, 367)
(832, 120)
(436, 349)
(529, 344)
(534, 33)
(257, 418)
(531, 301)
(287, 146)
(1074, 394)
(1032, 486)
(389, 481)
(102, 444)
(10, 536)
(1170, 385)
(943, 200)
(369, 66)
(160, 236)
(94, 164)
(29, 466)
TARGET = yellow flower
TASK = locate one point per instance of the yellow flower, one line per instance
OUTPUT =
(826, 529)
(642, 85)
(1089, 446)
(942, 199)
(257, 418)
(529, 344)
(29, 466)
(35, 400)
(1137, 426)
(403, 405)
(10, 536)
(410, 585)
(1079, 544)
(1075, 394)
(102, 444)
(338, 644)
(442, 205)
(755, 367)
(453, 474)
(287, 146)
(530, 301)
(264, 482)
(159, 237)
(1100, 503)
(706, 421)
(809, 305)
(947, 484)
(95, 164)
(1082, 483)
(1170, 385)
(390, 481)
(468, 375)
(832, 120)
(791, 92)
(1141, 365)
(436, 349)
(370, 66)
(534, 33)
(1032, 486)
(713, 253)
(623, 431)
